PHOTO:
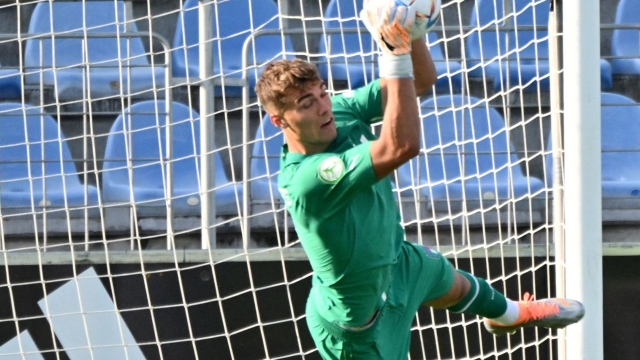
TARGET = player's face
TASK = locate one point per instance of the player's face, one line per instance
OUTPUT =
(308, 122)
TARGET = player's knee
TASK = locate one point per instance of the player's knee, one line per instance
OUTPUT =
(481, 298)
(460, 289)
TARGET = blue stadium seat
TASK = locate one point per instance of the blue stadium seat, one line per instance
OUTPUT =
(620, 118)
(233, 21)
(265, 162)
(114, 66)
(352, 56)
(139, 135)
(513, 62)
(449, 72)
(36, 167)
(10, 83)
(477, 151)
(626, 42)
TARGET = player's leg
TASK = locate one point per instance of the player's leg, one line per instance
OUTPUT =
(472, 295)
(388, 336)
(459, 291)
(335, 341)
(329, 347)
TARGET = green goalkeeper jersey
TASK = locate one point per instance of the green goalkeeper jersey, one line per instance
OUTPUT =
(347, 220)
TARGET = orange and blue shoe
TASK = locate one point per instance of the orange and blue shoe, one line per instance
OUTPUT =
(552, 313)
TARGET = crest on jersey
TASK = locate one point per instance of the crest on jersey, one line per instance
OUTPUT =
(331, 170)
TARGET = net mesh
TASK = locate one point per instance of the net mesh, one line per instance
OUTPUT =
(102, 181)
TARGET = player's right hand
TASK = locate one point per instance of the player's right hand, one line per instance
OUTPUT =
(389, 22)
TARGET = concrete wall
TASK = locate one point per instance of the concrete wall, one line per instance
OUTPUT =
(152, 307)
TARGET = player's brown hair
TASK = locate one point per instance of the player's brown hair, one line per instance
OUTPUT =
(282, 75)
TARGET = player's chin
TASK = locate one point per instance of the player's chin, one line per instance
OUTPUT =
(329, 132)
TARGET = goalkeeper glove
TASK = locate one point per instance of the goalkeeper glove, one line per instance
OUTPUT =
(390, 23)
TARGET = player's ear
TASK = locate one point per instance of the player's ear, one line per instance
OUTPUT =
(278, 121)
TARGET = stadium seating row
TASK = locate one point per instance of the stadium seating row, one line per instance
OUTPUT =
(467, 156)
(466, 159)
(111, 60)
(494, 49)
(37, 171)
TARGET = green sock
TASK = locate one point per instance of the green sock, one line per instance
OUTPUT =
(481, 300)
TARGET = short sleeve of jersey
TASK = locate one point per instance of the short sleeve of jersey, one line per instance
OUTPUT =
(326, 182)
(364, 103)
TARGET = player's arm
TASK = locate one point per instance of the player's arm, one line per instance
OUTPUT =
(367, 103)
(424, 71)
(399, 138)
(403, 133)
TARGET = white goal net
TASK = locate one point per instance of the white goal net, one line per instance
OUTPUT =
(140, 217)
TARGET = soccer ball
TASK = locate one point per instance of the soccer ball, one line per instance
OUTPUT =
(427, 15)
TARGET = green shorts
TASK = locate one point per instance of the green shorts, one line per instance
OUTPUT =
(420, 275)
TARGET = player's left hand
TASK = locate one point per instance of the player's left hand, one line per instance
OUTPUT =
(390, 24)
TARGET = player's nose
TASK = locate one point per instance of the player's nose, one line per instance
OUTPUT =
(324, 106)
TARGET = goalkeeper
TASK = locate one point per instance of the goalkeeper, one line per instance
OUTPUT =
(368, 283)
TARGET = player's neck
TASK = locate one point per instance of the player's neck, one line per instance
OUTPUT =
(305, 148)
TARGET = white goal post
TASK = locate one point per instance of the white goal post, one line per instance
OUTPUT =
(583, 219)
